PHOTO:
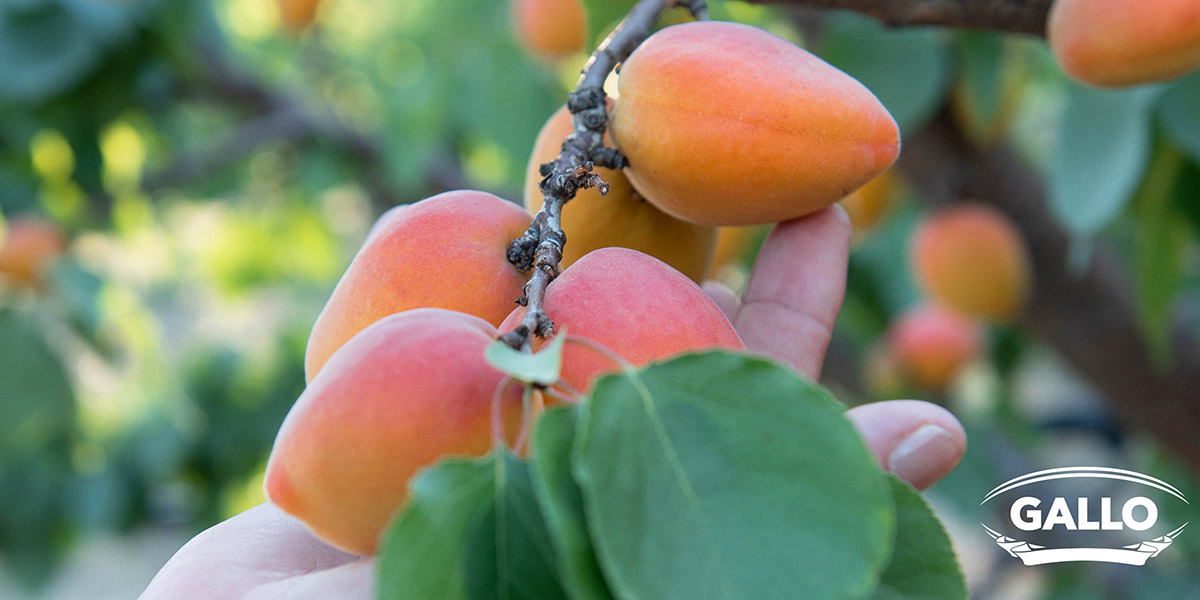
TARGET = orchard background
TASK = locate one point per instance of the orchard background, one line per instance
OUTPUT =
(209, 170)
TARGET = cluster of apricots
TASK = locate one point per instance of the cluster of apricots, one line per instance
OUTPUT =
(972, 264)
(1116, 43)
(28, 245)
(725, 126)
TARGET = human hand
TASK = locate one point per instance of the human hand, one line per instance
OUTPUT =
(787, 313)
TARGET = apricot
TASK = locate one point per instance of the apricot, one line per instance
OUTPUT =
(972, 258)
(297, 15)
(868, 205)
(404, 392)
(550, 29)
(447, 251)
(30, 244)
(620, 218)
(931, 343)
(633, 304)
(1125, 42)
(726, 124)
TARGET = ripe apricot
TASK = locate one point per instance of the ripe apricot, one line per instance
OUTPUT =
(726, 124)
(30, 243)
(620, 218)
(931, 343)
(550, 28)
(1125, 42)
(633, 304)
(868, 205)
(296, 15)
(972, 258)
(447, 251)
(406, 391)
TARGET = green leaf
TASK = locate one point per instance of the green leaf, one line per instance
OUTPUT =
(37, 405)
(719, 475)
(1162, 234)
(541, 368)
(562, 503)
(44, 49)
(923, 565)
(907, 69)
(1102, 153)
(422, 554)
(602, 16)
(510, 554)
(470, 529)
(1179, 113)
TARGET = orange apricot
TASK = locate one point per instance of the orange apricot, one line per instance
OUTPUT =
(406, 391)
(447, 251)
(620, 218)
(1116, 43)
(297, 15)
(633, 304)
(550, 29)
(932, 343)
(868, 205)
(30, 244)
(726, 124)
(972, 258)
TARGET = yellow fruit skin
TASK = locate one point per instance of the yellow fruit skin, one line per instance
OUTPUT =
(725, 124)
(550, 29)
(1115, 43)
(406, 391)
(868, 205)
(447, 251)
(972, 258)
(621, 218)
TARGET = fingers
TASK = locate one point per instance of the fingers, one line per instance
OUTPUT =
(917, 441)
(723, 297)
(796, 290)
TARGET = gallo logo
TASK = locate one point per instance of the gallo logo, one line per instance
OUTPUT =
(1086, 514)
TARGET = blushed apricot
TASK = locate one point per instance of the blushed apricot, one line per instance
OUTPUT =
(620, 218)
(406, 391)
(726, 124)
(1125, 42)
(932, 343)
(633, 304)
(972, 258)
(550, 28)
(447, 251)
(30, 244)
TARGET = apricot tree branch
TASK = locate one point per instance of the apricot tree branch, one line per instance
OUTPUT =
(1087, 317)
(1014, 16)
(540, 247)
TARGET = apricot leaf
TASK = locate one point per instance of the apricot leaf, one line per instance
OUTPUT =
(720, 475)
(1178, 114)
(542, 367)
(1102, 153)
(923, 564)
(562, 503)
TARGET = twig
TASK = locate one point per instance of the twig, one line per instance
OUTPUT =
(1014, 16)
(540, 247)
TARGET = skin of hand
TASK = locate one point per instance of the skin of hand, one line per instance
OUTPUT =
(787, 312)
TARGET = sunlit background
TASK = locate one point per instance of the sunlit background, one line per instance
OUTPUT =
(212, 172)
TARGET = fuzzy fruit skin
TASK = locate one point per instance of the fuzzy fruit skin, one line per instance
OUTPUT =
(868, 205)
(297, 15)
(931, 343)
(1115, 43)
(29, 244)
(633, 304)
(406, 391)
(621, 218)
(447, 251)
(972, 258)
(726, 124)
(550, 29)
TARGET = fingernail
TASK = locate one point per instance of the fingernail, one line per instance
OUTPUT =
(925, 456)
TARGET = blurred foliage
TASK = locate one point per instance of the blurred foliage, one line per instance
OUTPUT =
(209, 167)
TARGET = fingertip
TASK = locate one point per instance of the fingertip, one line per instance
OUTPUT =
(723, 297)
(917, 441)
